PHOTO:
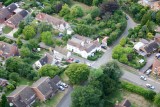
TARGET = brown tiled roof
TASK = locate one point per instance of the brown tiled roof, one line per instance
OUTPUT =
(15, 19)
(61, 50)
(4, 13)
(156, 65)
(50, 19)
(8, 50)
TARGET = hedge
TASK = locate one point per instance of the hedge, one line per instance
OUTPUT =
(147, 94)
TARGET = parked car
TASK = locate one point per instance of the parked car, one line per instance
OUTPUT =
(127, 17)
(148, 71)
(150, 86)
(77, 61)
(104, 47)
(61, 88)
(64, 85)
(143, 78)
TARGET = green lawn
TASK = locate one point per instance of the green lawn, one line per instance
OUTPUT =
(52, 102)
(7, 29)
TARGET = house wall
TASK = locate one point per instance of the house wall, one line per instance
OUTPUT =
(39, 94)
(83, 53)
(10, 24)
(38, 64)
(157, 40)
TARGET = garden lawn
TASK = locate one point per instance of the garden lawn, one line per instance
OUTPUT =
(7, 29)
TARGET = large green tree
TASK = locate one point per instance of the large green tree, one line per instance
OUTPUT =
(4, 102)
(49, 70)
(25, 52)
(76, 11)
(86, 97)
(157, 100)
(77, 73)
(29, 32)
(65, 10)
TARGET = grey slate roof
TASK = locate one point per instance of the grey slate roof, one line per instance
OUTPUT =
(56, 79)
(23, 13)
(12, 7)
(44, 60)
(151, 47)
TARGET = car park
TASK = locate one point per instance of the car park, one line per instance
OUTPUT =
(150, 86)
(143, 78)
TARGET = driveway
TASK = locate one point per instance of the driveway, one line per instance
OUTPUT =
(150, 60)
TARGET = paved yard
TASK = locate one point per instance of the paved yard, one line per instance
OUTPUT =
(150, 60)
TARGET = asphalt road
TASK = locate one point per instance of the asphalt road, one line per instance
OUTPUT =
(134, 78)
(107, 56)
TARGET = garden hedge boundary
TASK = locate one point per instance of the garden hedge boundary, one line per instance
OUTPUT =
(147, 94)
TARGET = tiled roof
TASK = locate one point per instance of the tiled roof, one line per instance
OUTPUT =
(151, 47)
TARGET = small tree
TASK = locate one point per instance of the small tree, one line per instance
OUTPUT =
(14, 76)
(47, 38)
(49, 70)
(95, 12)
(29, 32)
(25, 52)
(76, 11)
(65, 10)
(19, 42)
(4, 102)
(77, 73)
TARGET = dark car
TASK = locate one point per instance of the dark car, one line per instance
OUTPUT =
(127, 17)
(77, 61)
(104, 47)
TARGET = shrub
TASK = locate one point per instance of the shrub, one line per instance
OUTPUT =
(147, 94)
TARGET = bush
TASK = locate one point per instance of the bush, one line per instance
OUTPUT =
(147, 94)
(97, 55)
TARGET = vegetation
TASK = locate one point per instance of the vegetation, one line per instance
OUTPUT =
(77, 73)
(7, 29)
(96, 55)
(99, 88)
(148, 94)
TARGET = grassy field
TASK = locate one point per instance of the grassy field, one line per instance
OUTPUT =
(7, 29)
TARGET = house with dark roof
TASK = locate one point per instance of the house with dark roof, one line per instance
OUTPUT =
(150, 48)
(56, 80)
(57, 23)
(46, 59)
(15, 19)
(44, 88)
(22, 96)
(7, 12)
(125, 103)
(8, 50)
(83, 46)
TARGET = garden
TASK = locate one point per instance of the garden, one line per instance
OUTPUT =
(125, 53)
(96, 55)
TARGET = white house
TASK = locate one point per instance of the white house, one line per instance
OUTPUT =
(58, 24)
(61, 53)
(83, 46)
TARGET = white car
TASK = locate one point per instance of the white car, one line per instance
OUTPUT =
(63, 84)
(61, 88)
(143, 78)
(148, 71)
(150, 86)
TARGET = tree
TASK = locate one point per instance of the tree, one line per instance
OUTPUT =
(157, 100)
(49, 70)
(29, 32)
(47, 38)
(112, 70)
(22, 24)
(33, 43)
(95, 73)
(25, 52)
(43, 27)
(14, 76)
(3, 73)
(86, 97)
(4, 102)
(77, 73)
(158, 17)
(146, 17)
(76, 11)
(65, 10)
(19, 42)
(95, 12)
(123, 41)
(150, 35)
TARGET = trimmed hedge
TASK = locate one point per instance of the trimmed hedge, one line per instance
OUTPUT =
(147, 94)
